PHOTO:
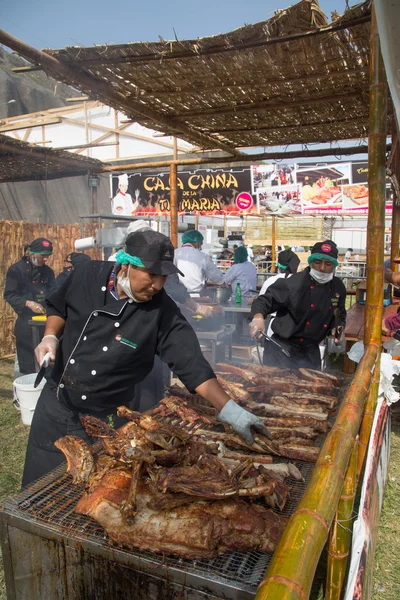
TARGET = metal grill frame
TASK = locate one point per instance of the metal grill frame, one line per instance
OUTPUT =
(46, 508)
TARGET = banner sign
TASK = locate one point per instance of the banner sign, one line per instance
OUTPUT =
(202, 191)
(314, 189)
(361, 570)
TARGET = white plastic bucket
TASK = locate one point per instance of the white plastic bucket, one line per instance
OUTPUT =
(27, 395)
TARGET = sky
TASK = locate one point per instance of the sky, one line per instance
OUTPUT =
(56, 24)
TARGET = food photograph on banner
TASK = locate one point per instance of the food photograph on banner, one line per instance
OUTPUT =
(321, 187)
(280, 200)
(272, 175)
(355, 198)
(275, 187)
(201, 191)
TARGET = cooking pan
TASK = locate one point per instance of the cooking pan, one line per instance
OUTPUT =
(219, 294)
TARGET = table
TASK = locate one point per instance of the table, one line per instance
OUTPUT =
(237, 313)
(213, 337)
(354, 330)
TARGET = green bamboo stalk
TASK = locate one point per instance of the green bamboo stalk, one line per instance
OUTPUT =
(340, 533)
(366, 425)
(293, 565)
(377, 188)
(376, 222)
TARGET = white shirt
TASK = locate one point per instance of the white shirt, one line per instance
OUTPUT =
(197, 268)
(347, 255)
(122, 204)
(243, 273)
(264, 288)
(250, 253)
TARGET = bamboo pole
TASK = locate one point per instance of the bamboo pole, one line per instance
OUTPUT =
(173, 196)
(376, 224)
(368, 418)
(341, 531)
(376, 184)
(291, 571)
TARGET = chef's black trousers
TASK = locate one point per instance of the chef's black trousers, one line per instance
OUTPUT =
(51, 421)
(307, 356)
(24, 343)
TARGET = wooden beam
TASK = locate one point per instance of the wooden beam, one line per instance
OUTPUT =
(307, 126)
(100, 89)
(83, 146)
(78, 99)
(265, 106)
(51, 111)
(28, 125)
(121, 130)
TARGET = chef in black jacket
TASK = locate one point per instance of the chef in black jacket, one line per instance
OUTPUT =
(74, 259)
(113, 319)
(27, 283)
(308, 306)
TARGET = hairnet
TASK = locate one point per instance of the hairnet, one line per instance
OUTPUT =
(193, 236)
(240, 255)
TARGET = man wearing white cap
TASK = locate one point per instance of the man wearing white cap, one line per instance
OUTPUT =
(122, 203)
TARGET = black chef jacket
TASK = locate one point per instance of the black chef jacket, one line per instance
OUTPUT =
(109, 345)
(25, 282)
(304, 309)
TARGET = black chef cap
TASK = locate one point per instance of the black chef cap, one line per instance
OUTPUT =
(326, 250)
(288, 259)
(77, 258)
(154, 249)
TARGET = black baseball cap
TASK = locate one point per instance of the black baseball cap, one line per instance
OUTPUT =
(154, 249)
(41, 246)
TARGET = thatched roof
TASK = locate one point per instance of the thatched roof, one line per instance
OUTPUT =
(291, 79)
(20, 161)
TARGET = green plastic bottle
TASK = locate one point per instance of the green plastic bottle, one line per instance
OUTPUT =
(238, 294)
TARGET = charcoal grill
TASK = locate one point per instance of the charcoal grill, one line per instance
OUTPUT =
(52, 553)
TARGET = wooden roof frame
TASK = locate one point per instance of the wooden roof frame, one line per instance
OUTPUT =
(290, 80)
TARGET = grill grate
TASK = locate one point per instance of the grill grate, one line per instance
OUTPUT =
(50, 502)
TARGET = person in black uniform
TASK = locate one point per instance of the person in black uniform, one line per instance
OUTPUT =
(308, 306)
(27, 283)
(74, 259)
(113, 319)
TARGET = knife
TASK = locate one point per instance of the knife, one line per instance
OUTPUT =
(43, 367)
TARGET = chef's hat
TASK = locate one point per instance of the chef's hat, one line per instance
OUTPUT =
(138, 225)
(123, 179)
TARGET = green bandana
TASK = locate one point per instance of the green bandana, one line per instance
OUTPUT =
(281, 266)
(318, 256)
(124, 258)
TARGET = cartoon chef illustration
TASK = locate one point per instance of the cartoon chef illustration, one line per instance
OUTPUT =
(122, 203)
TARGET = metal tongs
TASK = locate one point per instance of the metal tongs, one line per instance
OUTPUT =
(269, 339)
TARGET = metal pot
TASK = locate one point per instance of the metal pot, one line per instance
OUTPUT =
(222, 294)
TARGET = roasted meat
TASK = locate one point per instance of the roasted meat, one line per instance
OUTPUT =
(198, 530)
(80, 463)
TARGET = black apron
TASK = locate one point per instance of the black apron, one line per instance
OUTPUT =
(51, 421)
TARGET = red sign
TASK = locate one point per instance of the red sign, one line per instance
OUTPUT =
(244, 201)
